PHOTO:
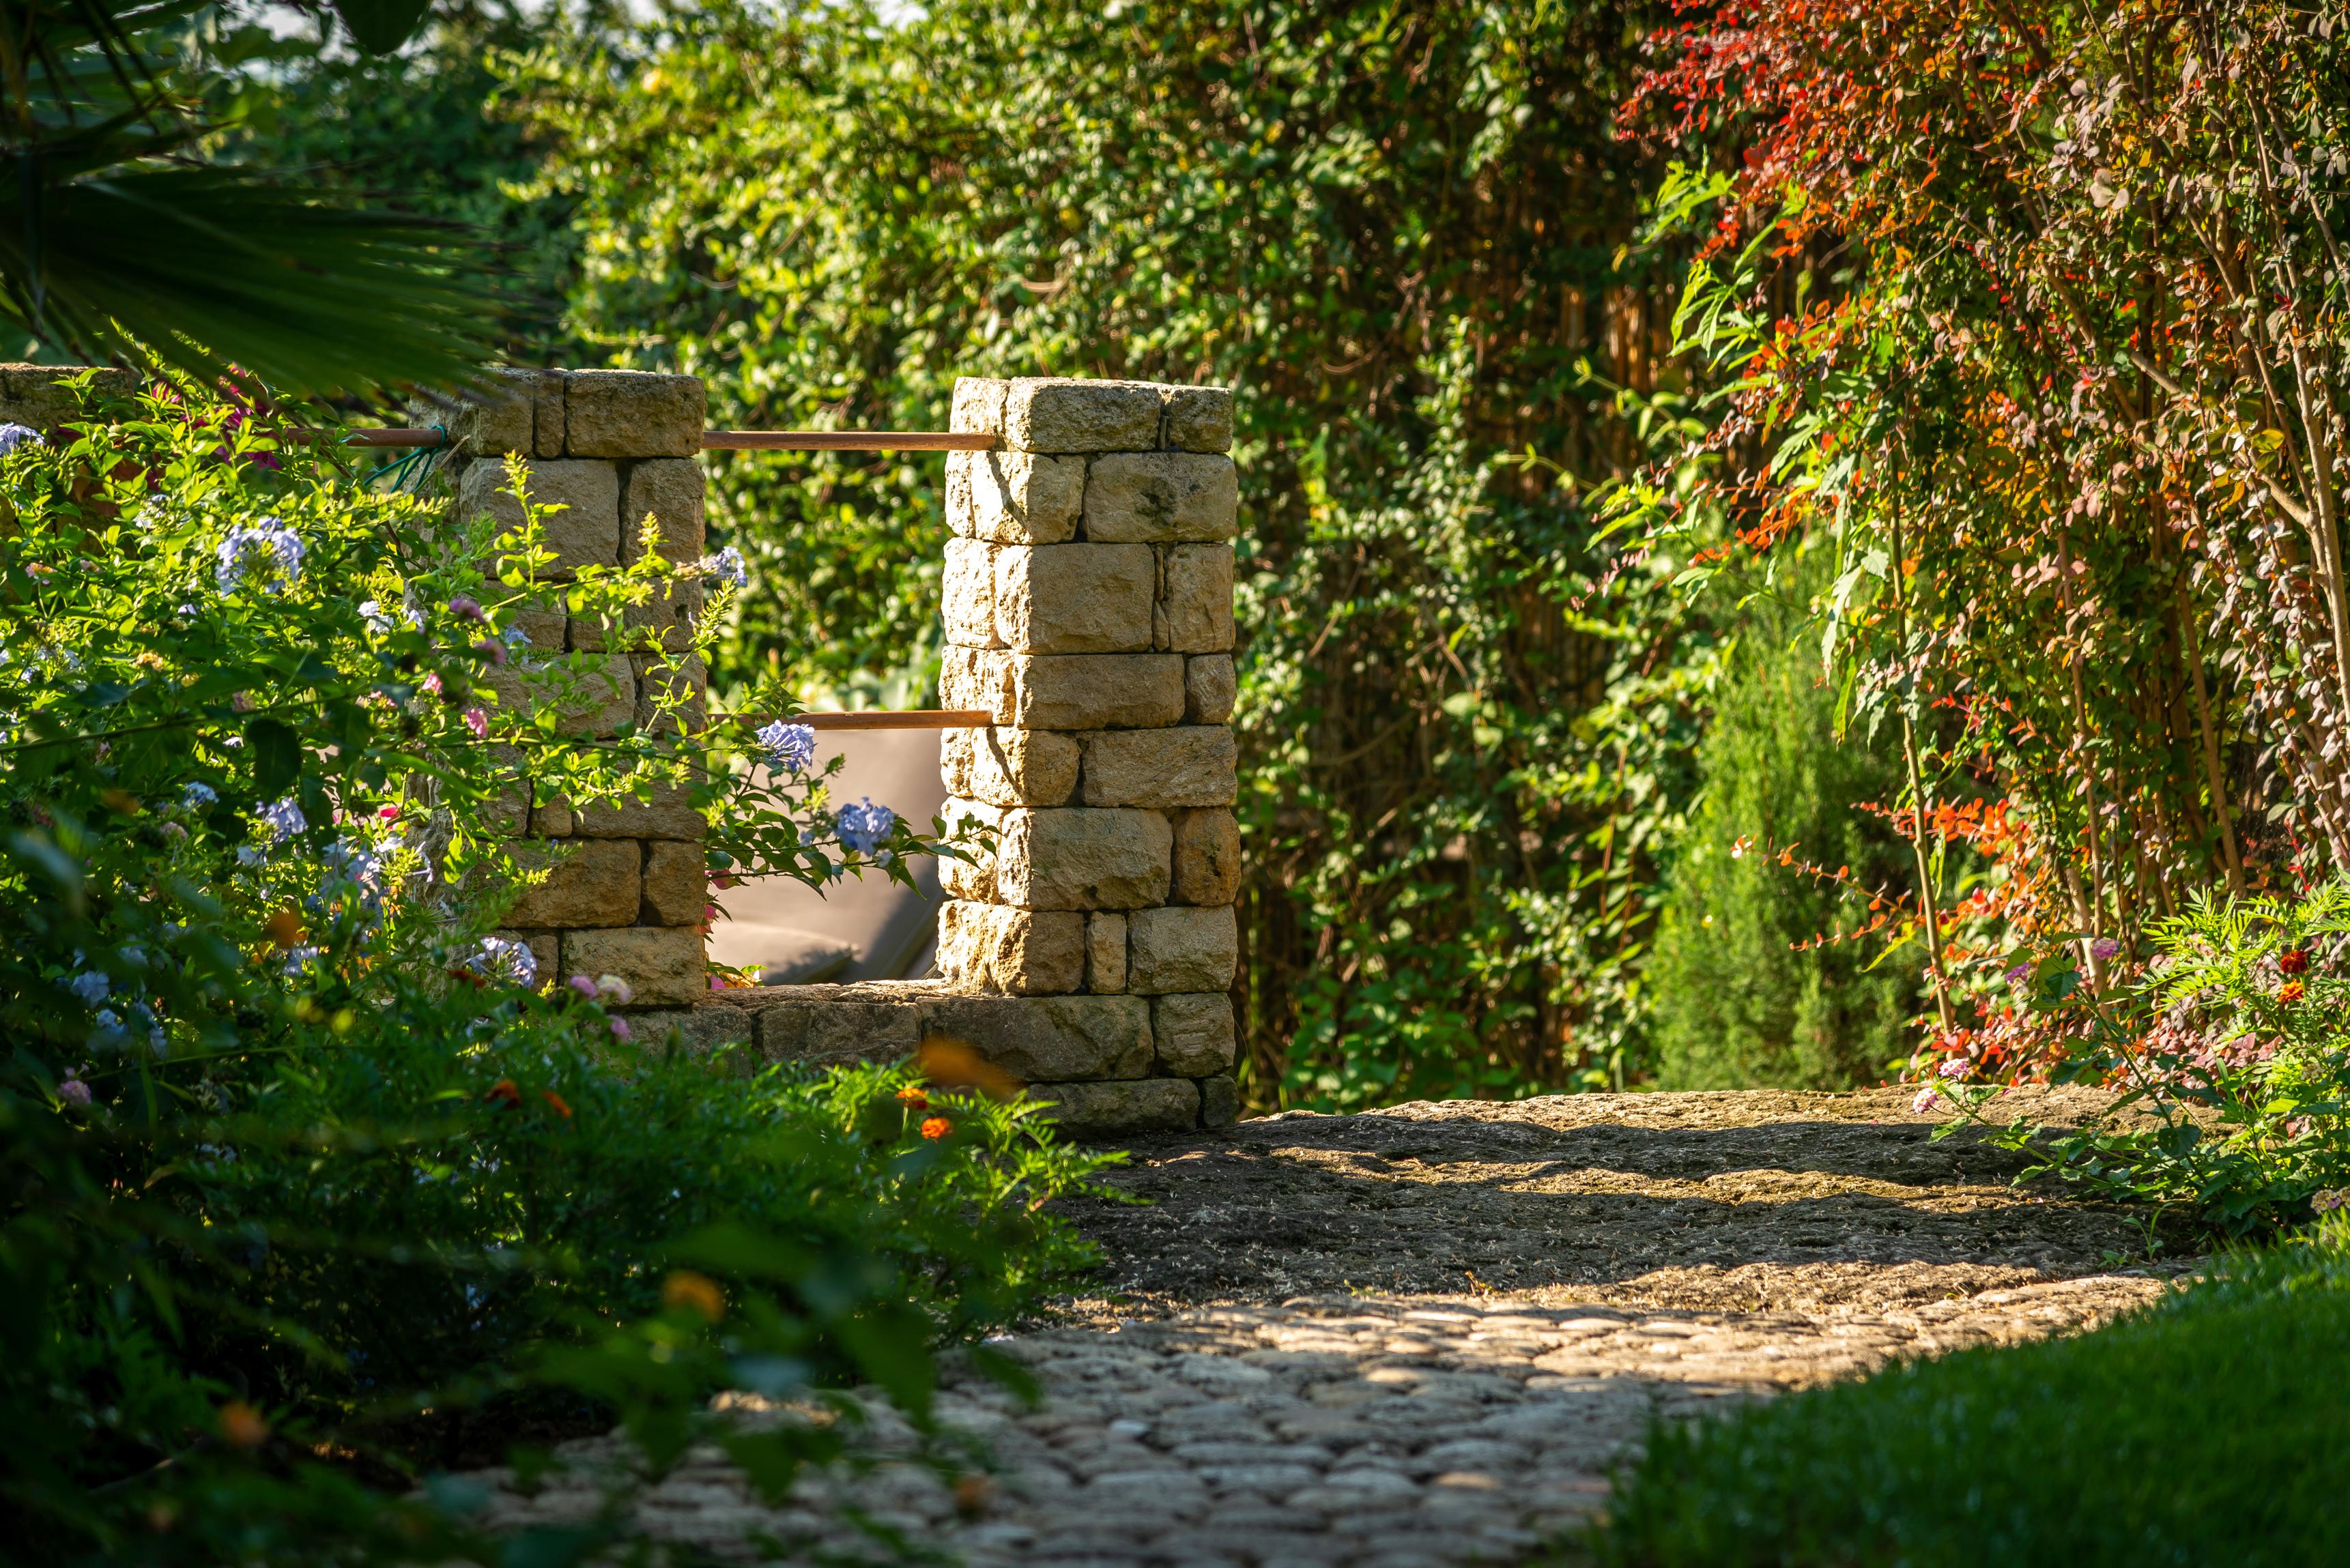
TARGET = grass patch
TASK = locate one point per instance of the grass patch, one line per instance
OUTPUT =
(2209, 1429)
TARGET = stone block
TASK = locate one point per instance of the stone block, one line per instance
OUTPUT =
(1219, 1101)
(591, 695)
(1199, 419)
(977, 678)
(1090, 690)
(1161, 498)
(1181, 949)
(674, 493)
(1047, 1038)
(36, 396)
(676, 884)
(546, 948)
(1010, 767)
(1210, 688)
(1075, 598)
(1193, 1033)
(497, 415)
(1105, 952)
(1195, 597)
(547, 415)
(680, 686)
(665, 811)
(973, 878)
(1014, 497)
(1074, 857)
(633, 414)
(589, 882)
(585, 532)
(547, 632)
(1207, 858)
(1188, 765)
(978, 405)
(1019, 952)
(1056, 414)
(826, 1030)
(968, 596)
(1100, 1110)
(708, 1028)
(665, 620)
(662, 964)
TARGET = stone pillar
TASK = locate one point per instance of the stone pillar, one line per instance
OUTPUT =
(1089, 603)
(629, 883)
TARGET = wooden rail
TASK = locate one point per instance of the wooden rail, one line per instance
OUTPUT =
(711, 440)
(902, 719)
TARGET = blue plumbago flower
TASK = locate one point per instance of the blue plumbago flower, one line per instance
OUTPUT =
(501, 958)
(727, 567)
(789, 748)
(284, 820)
(299, 959)
(267, 553)
(371, 612)
(106, 1025)
(864, 825)
(197, 794)
(91, 985)
(13, 435)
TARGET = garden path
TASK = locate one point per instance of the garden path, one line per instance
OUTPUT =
(1422, 1335)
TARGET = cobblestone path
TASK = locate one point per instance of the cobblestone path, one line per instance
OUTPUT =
(1425, 1336)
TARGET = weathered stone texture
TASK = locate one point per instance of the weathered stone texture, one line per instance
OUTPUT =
(1147, 1104)
(968, 595)
(546, 948)
(1196, 598)
(978, 407)
(1207, 858)
(1210, 688)
(824, 1031)
(676, 885)
(1067, 414)
(1188, 766)
(671, 490)
(1199, 419)
(585, 532)
(594, 698)
(36, 396)
(633, 414)
(1105, 952)
(1192, 1032)
(589, 883)
(1076, 857)
(1020, 953)
(1009, 767)
(666, 812)
(685, 684)
(1047, 1039)
(1075, 598)
(1219, 1101)
(662, 964)
(498, 416)
(977, 678)
(1172, 950)
(703, 1029)
(973, 878)
(1092, 691)
(1014, 497)
(1161, 498)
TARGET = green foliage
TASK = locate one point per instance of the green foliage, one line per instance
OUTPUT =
(1400, 232)
(2242, 1086)
(295, 1162)
(2205, 1431)
(1746, 995)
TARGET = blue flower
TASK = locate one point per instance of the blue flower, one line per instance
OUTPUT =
(502, 958)
(727, 567)
(91, 985)
(789, 748)
(284, 820)
(106, 1022)
(197, 794)
(13, 435)
(267, 553)
(863, 827)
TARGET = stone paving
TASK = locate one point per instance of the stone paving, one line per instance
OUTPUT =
(1421, 1427)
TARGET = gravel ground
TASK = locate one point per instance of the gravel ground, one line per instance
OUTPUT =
(1424, 1335)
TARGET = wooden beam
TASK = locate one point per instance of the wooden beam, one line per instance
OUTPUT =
(847, 440)
(876, 719)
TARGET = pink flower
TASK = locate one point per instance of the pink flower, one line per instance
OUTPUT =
(387, 812)
(619, 1029)
(1925, 1100)
(466, 608)
(583, 985)
(74, 1091)
(716, 983)
(432, 683)
(1956, 1067)
(479, 723)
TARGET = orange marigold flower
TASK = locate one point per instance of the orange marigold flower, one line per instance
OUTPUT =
(241, 1424)
(913, 1099)
(687, 1289)
(937, 1127)
(2291, 991)
(504, 1093)
(552, 1098)
(2293, 960)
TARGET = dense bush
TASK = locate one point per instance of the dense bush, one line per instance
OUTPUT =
(1752, 987)
(2067, 1451)
(299, 1165)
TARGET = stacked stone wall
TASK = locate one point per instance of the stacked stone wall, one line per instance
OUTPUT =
(626, 885)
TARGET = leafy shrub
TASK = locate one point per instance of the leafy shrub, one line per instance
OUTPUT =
(293, 1154)
(2207, 1430)
(2234, 1055)
(1744, 994)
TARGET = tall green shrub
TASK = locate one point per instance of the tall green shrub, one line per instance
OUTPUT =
(1739, 1003)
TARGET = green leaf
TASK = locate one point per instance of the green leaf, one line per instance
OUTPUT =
(276, 756)
(380, 26)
